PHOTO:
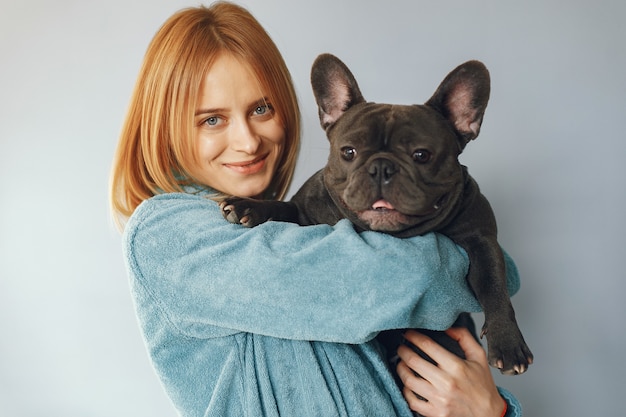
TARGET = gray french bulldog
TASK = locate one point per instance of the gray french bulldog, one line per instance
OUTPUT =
(395, 169)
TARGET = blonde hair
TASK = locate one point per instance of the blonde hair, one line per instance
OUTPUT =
(155, 148)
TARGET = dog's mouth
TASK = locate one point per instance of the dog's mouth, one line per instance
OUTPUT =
(383, 206)
(384, 216)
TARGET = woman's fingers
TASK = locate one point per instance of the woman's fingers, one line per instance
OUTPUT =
(472, 349)
(443, 357)
(454, 386)
(414, 384)
(412, 380)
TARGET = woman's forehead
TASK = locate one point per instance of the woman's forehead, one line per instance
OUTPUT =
(230, 80)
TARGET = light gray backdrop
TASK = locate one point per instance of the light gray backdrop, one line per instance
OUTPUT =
(549, 158)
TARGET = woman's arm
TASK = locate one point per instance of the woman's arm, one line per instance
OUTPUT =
(313, 283)
(456, 387)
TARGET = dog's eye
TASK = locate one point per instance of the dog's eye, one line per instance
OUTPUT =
(422, 156)
(348, 153)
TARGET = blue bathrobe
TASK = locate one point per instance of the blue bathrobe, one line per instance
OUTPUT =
(280, 320)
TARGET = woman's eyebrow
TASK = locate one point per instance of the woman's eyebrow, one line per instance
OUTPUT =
(263, 101)
(209, 111)
(253, 104)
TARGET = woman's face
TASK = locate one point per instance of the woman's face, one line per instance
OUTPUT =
(239, 139)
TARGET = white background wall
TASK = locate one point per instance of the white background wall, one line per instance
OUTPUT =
(549, 158)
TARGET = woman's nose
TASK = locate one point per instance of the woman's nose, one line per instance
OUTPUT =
(244, 138)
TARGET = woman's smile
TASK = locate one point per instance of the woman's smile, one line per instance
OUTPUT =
(248, 167)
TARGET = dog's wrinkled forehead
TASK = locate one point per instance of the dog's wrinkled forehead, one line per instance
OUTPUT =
(387, 125)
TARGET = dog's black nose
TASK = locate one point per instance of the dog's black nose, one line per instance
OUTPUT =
(382, 170)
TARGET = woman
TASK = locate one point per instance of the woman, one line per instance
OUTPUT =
(260, 321)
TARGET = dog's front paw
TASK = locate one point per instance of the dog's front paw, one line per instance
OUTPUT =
(242, 211)
(507, 351)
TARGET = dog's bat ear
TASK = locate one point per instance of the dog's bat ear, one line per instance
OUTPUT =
(334, 87)
(462, 98)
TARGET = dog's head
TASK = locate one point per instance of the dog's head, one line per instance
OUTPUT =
(394, 168)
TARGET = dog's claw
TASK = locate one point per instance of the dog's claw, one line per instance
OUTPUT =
(507, 352)
(229, 213)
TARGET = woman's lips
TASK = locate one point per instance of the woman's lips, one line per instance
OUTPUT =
(248, 167)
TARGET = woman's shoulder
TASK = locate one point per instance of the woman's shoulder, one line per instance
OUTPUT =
(172, 204)
(167, 215)
(166, 200)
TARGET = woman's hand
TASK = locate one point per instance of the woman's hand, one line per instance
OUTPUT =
(455, 388)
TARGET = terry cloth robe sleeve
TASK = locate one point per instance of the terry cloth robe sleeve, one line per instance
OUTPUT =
(278, 320)
(325, 283)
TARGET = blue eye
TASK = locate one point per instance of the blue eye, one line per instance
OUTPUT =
(263, 109)
(212, 121)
